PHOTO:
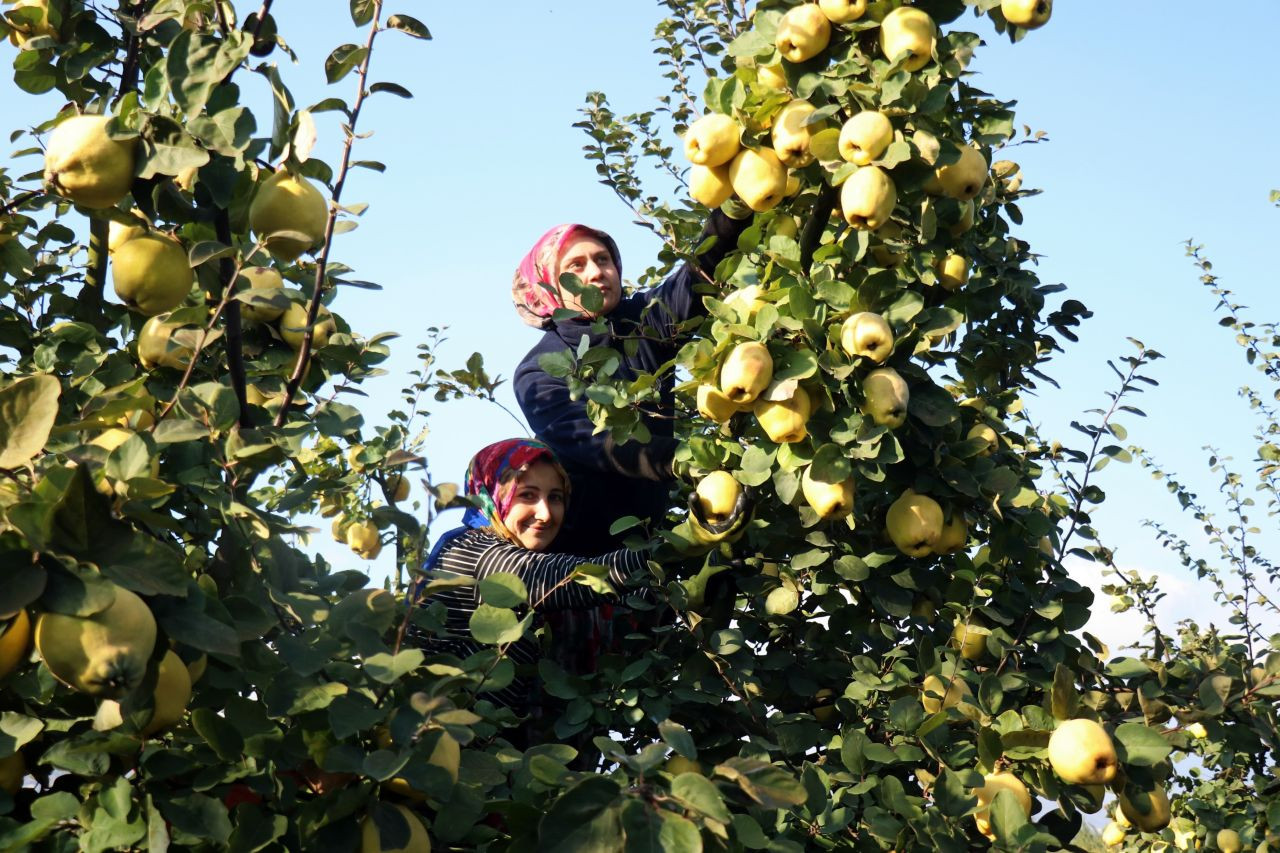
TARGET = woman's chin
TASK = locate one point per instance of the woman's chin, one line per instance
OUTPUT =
(537, 540)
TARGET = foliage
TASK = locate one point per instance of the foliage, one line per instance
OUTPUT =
(737, 722)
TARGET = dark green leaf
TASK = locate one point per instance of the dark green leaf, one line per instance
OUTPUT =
(503, 589)
(1139, 745)
(27, 411)
(698, 793)
(408, 24)
(342, 61)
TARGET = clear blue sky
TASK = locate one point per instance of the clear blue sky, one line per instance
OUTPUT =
(1162, 125)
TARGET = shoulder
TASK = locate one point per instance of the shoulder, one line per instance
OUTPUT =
(549, 342)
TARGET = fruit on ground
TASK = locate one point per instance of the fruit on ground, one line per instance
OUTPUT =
(914, 523)
(1113, 834)
(418, 842)
(83, 164)
(718, 495)
(104, 654)
(15, 643)
(791, 136)
(988, 435)
(746, 372)
(712, 140)
(1081, 753)
(1148, 811)
(151, 274)
(954, 535)
(803, 33)
(952, 270)
(1228, 841)
(784, 420)
(287, 202)
(156, 347)
(908, 29)
(865, 137)
(971, 643)
(885, 397)
(363, 538)
(867, 198)
(714, 405)
(938, 695)
(260, 311)
(867, 335)
(843, 11)
(758, 178)
(963, 179)
(293, 326)
(828, 500)
(992, 784)
(13, 769)
(709, 185)
(1028, 14)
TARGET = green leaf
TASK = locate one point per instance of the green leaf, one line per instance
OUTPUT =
(28, 408)
(342, 61)
(221, 735)
(503, 589)
(1007, 816)
(388, 669)
(362, 11)
(1127, 668)
(1139, 745)
(830, 465)
(316, 697)
(195, 64)
(410, 25)
(748, 832)
(698, 793)
(1066, 697)
(496, 625)
(852, 752)
(953, 797)
(393, 88)
(585, 817)
(678, 738)
(770, 786)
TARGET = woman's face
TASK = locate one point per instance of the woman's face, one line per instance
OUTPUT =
(537, 507)
(590, 260)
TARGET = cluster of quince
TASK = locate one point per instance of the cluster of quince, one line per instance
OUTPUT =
(854, 158)
(151, 272)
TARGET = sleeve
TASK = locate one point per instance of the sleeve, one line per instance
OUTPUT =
(675, 300)
(544, 574)
(564, 425)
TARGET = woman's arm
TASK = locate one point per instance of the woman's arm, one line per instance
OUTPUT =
(544, 574)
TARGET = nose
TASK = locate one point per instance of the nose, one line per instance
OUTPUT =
(542, 511)
(591, 273)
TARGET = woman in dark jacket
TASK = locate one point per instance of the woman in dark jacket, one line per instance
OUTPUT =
(610, 480)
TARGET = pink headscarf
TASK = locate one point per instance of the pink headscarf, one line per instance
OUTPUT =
(536, 287)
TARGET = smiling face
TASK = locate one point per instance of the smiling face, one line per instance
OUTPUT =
(590, 260)
(537, 506)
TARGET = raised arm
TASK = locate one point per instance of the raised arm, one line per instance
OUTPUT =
(544, 574)
(563, 424)
(674, 300)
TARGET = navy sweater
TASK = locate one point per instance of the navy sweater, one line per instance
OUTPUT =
(611, 480)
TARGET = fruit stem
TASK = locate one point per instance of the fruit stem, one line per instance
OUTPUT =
(317, 292)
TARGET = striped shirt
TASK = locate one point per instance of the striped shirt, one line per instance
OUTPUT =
(478, 554)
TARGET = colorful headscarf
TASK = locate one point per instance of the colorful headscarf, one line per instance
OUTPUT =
(491, 474)
(535, 289)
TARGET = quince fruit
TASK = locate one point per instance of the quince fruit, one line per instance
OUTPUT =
(261, 311)
(103, 654)
(992, 784)
(1028, 14)
(712, 140)
(13, 769)
(746, 372)
(1081, 753)
(914, 523)
(419, 841)
(85, 165)
(718, 496)
(784, 420)
(287, 202)
(865, 137)
(803, 33)
(828, 500)
(867, 198)
(758, 178)
(709, 185)
(938, 695)
(908, 29)
(15, 643)
(151, 274)
(156, 347)
(363, 538)
(293, 325)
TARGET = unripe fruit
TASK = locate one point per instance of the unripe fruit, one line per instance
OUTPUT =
(286, 202)
(151, 274)
(83, 164)
(293, 326)
(104, 654)
(260, 278)
(419, 841)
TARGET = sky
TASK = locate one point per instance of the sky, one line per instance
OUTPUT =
(1160, 128)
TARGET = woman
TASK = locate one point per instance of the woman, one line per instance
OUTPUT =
(520, 492)
(610, 480)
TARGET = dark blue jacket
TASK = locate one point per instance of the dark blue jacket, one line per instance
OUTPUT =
(611, 480)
